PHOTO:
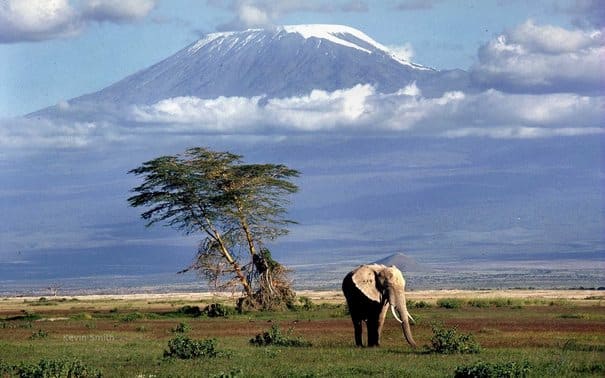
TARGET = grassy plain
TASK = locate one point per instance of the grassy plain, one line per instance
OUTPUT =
(554, 333)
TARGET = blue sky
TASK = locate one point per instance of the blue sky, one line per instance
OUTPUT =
(510, 170)
(89, 44)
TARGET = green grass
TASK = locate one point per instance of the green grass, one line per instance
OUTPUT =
(539, 340)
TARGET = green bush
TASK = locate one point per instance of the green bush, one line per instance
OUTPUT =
(450, 303)
(131, 317)
(216, 310)
(193, 311)
(39, 334)
(421, 304)
(181, 328)
(55, 369)
(305, 303)
(274, 336)
(5, 369)
(449, 341)
(497, 370)
(184, 348)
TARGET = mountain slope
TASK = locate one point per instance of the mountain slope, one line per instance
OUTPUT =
(282, 62)
(404, 263)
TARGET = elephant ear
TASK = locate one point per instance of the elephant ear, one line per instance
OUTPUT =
(365, 280)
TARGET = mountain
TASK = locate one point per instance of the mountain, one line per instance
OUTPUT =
(404, 263)
(281, 62)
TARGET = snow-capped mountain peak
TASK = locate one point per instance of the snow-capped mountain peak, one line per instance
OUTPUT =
(278, 62)
(338, 34)
(333, 33)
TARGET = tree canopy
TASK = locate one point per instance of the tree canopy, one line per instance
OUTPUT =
(236, 207)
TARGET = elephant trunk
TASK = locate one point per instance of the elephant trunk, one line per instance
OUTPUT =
(404, 318)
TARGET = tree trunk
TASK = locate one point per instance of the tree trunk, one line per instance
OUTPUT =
(227, 255)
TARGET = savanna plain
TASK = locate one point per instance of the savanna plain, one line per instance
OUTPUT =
(534, 333)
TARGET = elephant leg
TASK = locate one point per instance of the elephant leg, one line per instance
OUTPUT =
(357, 325)
(381, 317)
(373, 336)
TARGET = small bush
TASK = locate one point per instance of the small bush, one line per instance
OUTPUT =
(131, 317)
(193, 311)
(181, 328)
(306, 303)
(39, 334)
(450, 303)
(449, 341)
(184, 348)
(56, 369)
(217, 310)
(26, 316)
(497, 370)
(274, 336)
(5, 369)
(421, 304)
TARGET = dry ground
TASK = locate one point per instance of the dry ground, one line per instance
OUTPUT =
(166, 301)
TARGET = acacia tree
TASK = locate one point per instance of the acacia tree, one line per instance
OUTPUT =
(235, 206)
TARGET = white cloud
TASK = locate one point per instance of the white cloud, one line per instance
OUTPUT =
(533, 58)
(264, 13)
(359, 110)
(362, 109)
(117, 10)
(36, 20)
(252, 16)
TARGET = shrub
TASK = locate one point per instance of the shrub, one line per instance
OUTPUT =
(5, 369)
(181, 328)
(193, 311)
(26, 316)
(274, 336)
(39, 334)
(421, 304)
(497, 370)
(184, 348)
(449, 341)
(306, 303)
(216, 310)
(56, 369)
(131, 317)
(450, 303)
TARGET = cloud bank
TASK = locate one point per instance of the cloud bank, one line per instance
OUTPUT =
(359, 110)
(37, 20)
(543, 58)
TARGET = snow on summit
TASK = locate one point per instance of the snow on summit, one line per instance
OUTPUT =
(337, 34)
(333, 33)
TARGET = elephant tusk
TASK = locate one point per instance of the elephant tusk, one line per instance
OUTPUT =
(412, 319)
(395, 314)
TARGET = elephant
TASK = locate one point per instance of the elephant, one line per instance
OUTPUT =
(370, 290)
